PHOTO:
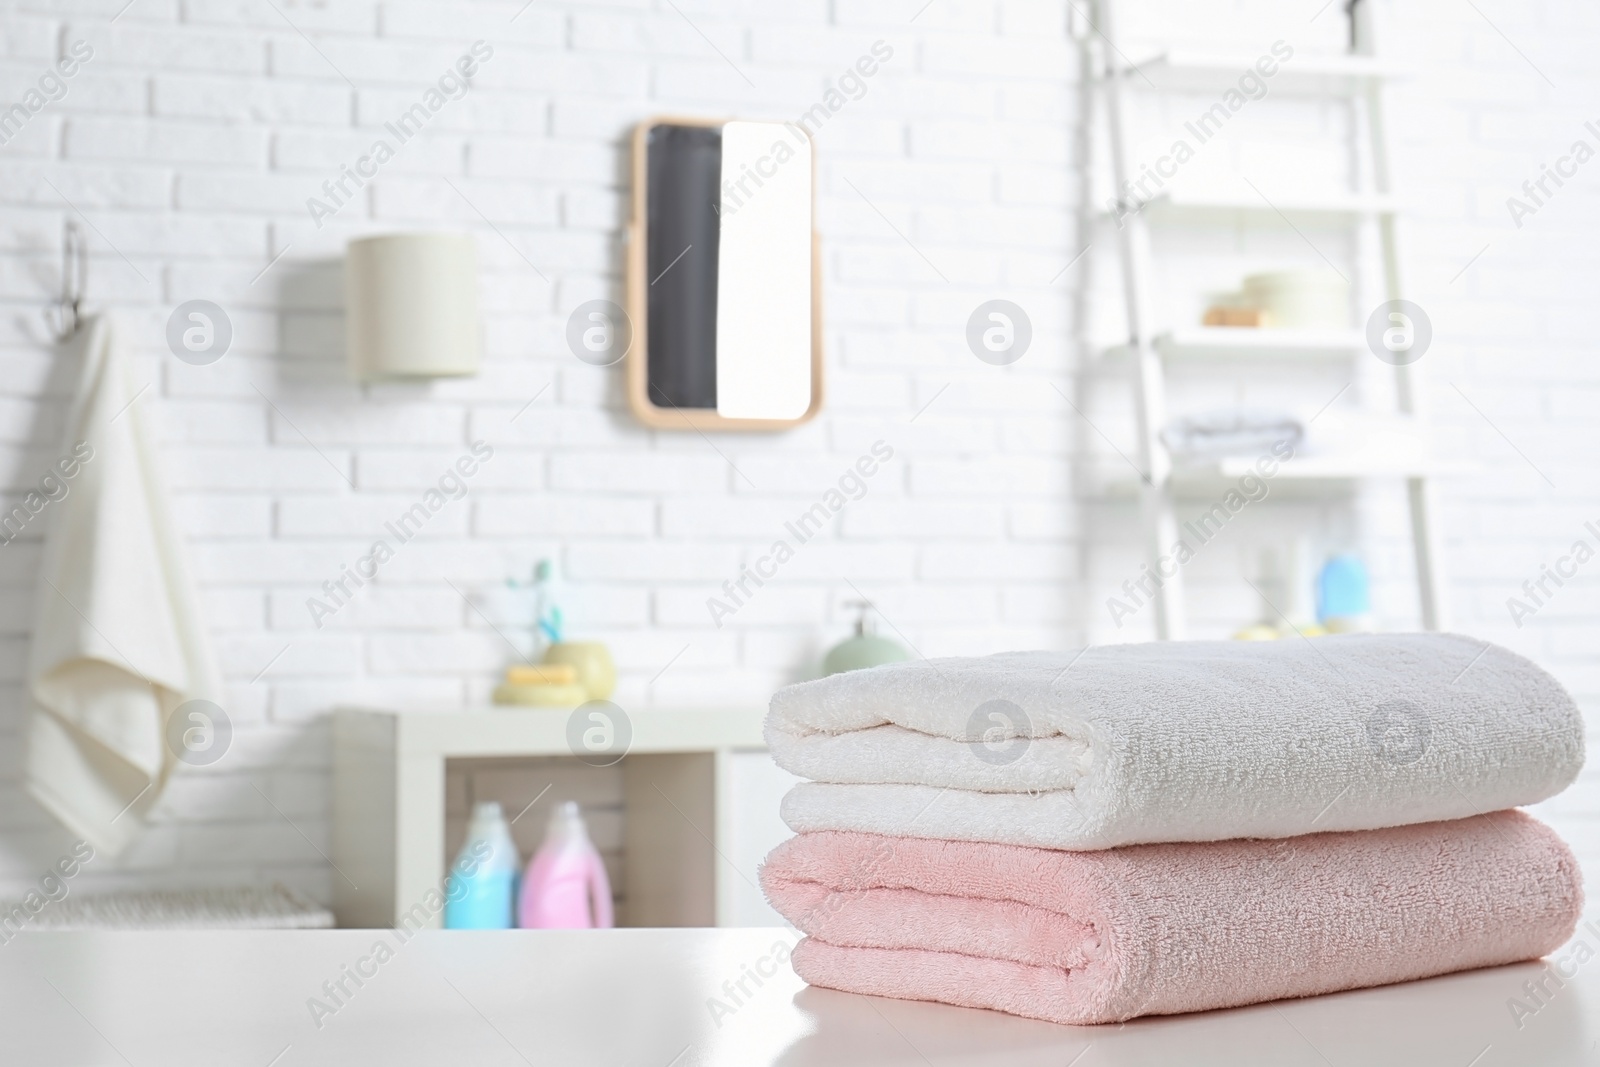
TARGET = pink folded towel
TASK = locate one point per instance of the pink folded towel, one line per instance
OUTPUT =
(1098, 937)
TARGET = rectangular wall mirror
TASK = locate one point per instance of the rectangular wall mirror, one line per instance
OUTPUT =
(724, 276)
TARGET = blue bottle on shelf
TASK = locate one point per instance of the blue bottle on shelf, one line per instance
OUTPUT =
(482, 890)
(1344, 595)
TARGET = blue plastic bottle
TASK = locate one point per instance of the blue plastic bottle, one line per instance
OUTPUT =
(482, 889)
(1344, 595)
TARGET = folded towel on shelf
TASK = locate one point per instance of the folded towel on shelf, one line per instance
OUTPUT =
(1232, 433)
(1180, 741)
(1097, 937)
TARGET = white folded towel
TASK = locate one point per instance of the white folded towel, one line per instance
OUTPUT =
(117, 639)
(1182, 741)
(1221, 434)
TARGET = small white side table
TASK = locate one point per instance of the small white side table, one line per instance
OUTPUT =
(389, 805)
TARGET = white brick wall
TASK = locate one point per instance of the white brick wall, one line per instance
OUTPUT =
(193, 137)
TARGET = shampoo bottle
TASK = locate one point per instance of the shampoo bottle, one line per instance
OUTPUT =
(1344, 596)
(565, 887)
(482, 890)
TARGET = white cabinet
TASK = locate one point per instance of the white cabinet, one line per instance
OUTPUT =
(699, 807)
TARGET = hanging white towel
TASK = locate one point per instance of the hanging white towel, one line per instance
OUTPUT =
(117, 641)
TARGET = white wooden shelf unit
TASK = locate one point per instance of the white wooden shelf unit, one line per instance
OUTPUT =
(1361, 76)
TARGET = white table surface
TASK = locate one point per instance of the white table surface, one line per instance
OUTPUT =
(638, 997)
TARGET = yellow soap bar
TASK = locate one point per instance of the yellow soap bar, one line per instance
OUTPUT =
(592, 662)
(542, 674)
(541, 695)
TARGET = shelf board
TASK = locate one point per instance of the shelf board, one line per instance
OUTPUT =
(1323, 468)
(1180, 70)
(1299, 479)
(1308, 473)
(1238, 342)
(1333, 206)
(508, 730)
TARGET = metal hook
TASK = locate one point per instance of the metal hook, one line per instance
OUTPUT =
(1080, 24)
(74, 281)
(1353, 14)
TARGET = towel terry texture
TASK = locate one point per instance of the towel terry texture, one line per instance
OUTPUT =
(1186, 741)
(1095, 937)
(119, 644)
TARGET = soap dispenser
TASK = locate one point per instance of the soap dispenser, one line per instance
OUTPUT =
(565, 887)
(864, 649)
(482, 889)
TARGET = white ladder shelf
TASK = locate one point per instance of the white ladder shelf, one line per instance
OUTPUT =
(1360, 76)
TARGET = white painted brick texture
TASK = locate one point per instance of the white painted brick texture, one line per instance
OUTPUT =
(192, 139)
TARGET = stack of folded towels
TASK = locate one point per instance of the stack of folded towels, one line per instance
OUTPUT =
(1149, 829)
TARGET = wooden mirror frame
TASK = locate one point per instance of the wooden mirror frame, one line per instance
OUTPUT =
(637, 359)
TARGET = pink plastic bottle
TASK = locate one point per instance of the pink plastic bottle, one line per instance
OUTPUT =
(565, 887)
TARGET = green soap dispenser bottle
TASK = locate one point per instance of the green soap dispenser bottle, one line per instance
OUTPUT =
(865, 649)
